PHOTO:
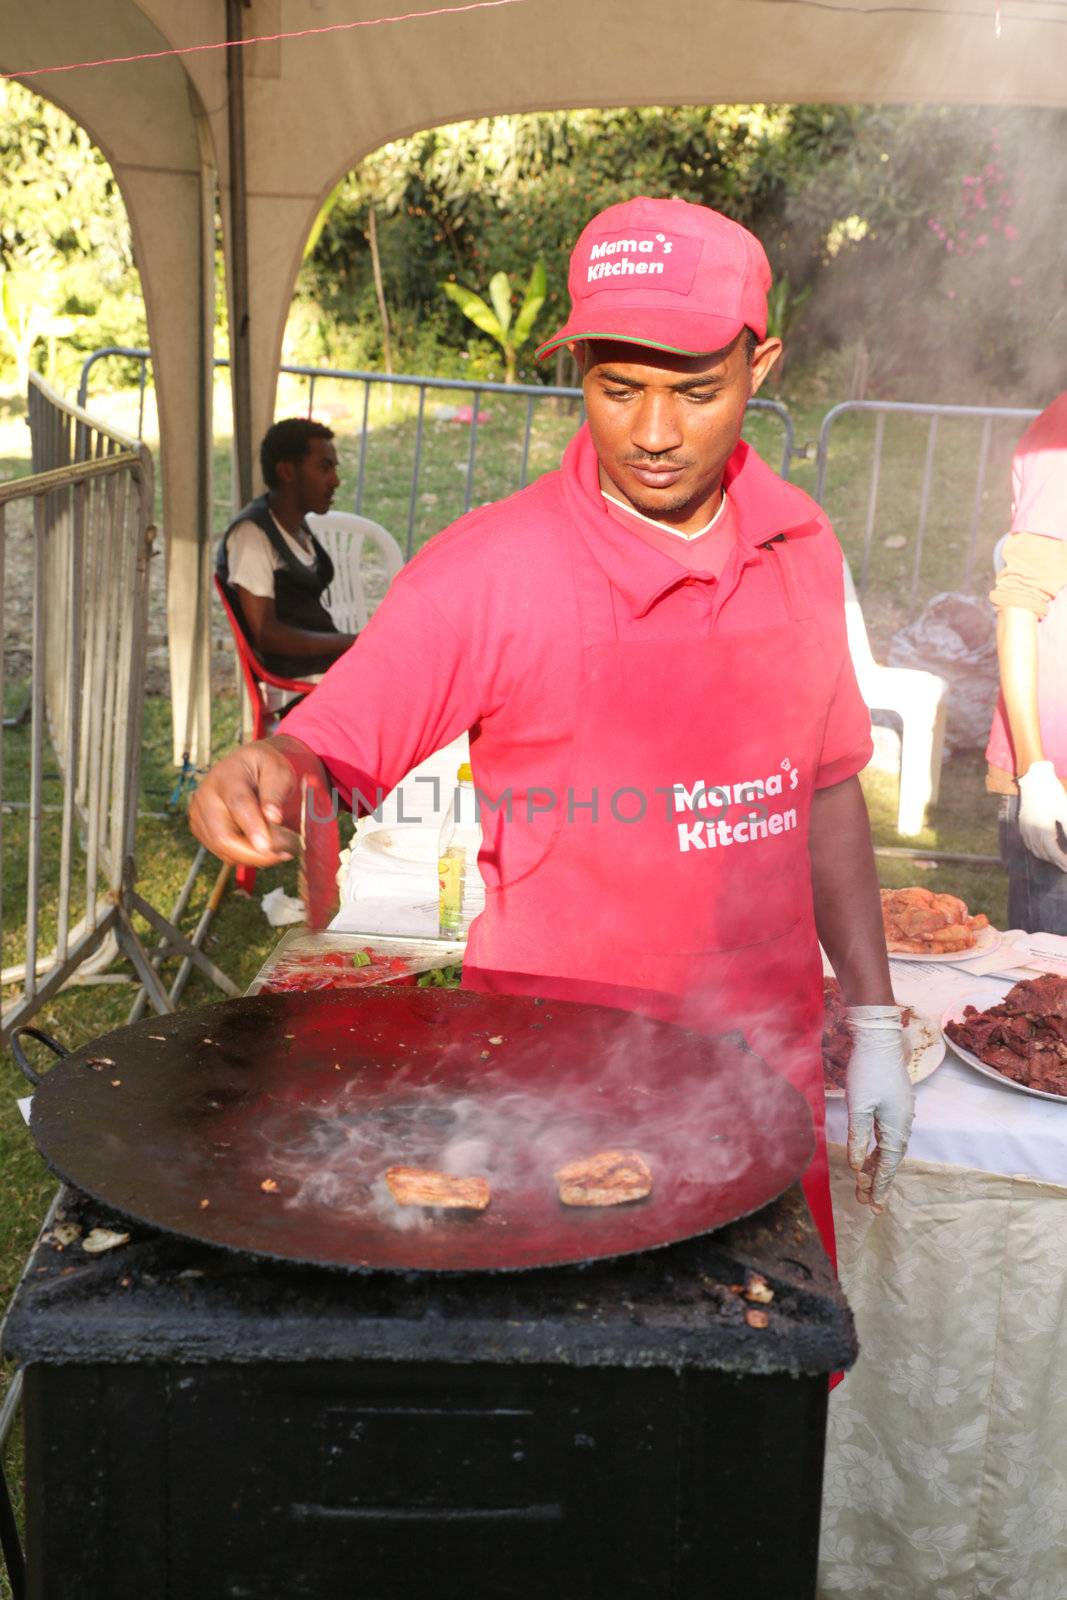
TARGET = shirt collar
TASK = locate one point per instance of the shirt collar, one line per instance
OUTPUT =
(765, 507)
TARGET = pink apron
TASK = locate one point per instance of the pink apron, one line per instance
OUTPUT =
(676, 879)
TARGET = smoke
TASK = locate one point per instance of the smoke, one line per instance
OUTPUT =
(933, 250)
(514, 1120)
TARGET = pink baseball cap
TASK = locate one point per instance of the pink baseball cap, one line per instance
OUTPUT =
(668, 274)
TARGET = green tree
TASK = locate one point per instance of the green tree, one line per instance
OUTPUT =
(67, 276)
(497, 320)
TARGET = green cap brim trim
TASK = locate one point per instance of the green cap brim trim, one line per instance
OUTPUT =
(617, 338)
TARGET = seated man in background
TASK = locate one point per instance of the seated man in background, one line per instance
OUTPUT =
(271, 565)
(1027, 751)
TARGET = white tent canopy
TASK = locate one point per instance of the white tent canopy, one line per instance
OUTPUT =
(315, 106)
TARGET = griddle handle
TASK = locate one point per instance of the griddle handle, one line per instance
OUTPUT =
(19, 1054)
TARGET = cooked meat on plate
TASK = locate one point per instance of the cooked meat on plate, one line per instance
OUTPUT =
(610, 1178)
(1024, 1037)
(836, 1037)
(921, 923)
(421, 1186)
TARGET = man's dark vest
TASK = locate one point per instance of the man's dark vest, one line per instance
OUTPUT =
(297, 591)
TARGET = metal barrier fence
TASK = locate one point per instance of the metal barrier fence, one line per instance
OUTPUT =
(527, 398)
(947, 498)
(83, 522)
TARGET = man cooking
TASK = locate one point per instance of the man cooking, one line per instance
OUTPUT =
(648, 648)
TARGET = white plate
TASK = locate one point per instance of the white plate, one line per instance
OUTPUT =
(982, 1002)
(986, 941)
(927, 1044)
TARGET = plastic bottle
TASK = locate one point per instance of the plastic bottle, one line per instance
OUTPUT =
(467, 836)
(450, 862)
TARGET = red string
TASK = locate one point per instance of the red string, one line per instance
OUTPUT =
(265, 38)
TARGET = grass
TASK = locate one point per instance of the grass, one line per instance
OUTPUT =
(964, 820)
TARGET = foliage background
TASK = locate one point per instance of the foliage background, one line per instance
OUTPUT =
(65, 243)
(919, 244)
(915, 247)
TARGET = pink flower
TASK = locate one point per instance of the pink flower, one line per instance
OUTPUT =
(982, 240)
(1010, 231)
(967, 182)
(1016, 283)
(980, 199)
(951, 293)
(949, 246)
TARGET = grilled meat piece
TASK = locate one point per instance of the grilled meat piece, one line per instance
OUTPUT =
(1024, 1037)
(918, 922)
(610, 1178)
(1038, 997)
(422, 1186)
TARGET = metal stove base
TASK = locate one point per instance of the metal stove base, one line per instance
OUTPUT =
(201, 1425)
(431, 1482)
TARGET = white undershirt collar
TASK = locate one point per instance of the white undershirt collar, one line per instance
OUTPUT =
(306, 552)
(664, 526)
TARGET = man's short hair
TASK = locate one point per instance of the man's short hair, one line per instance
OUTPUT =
(288, 441)
(751, 341)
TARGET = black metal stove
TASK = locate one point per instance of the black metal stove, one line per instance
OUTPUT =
(206, 1426)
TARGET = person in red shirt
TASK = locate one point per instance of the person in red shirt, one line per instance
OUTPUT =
(1027, 750)
(648, 648)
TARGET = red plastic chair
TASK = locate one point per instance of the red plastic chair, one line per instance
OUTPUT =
(255, 676)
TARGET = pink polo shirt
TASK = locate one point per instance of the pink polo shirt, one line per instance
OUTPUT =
(1039, 475)
(1039, 506)
(481, 631)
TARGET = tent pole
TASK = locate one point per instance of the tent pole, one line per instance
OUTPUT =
(240, 342)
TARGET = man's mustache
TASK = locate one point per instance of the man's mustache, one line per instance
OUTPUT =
(655, 461)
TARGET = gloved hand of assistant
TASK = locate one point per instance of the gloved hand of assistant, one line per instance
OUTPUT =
(880, 1099)
(1043, 804)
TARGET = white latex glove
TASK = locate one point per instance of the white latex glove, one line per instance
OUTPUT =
(880, 1099)
(1043, 803)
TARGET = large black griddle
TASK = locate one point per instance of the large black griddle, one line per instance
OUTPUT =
(266, 1124)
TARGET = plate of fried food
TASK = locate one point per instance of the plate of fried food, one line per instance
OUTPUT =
(921, 925)
(922, 1037)
(1015, 1034)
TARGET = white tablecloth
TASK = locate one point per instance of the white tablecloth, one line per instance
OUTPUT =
(946, 1466)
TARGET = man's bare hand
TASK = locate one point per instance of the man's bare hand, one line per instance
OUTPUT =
(240, 810)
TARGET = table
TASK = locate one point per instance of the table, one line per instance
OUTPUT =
(946, 1468)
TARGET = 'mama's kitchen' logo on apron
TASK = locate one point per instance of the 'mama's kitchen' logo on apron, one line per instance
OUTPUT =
(716, 800)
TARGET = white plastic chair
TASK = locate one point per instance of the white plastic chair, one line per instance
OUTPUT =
(343, 536)
(919, 699)
(999, 558)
